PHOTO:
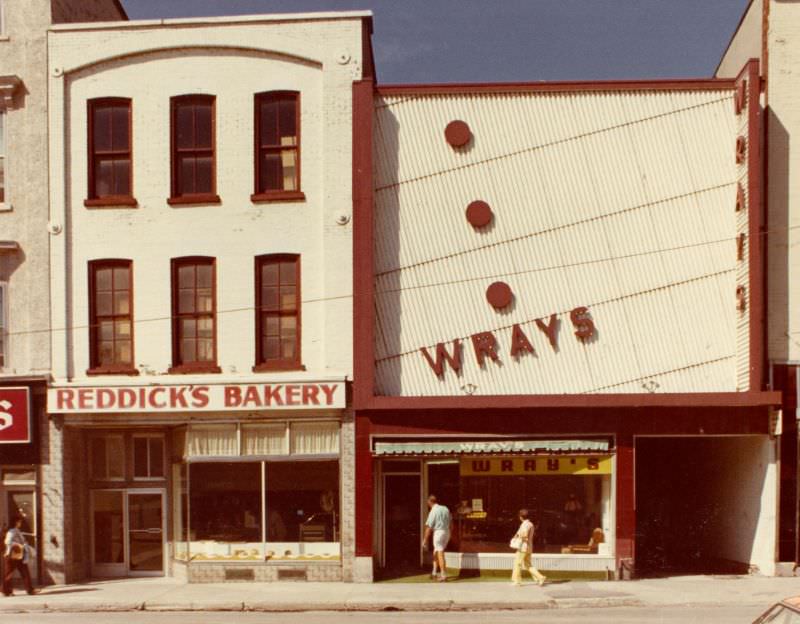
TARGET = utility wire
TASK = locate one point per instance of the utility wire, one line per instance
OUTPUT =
(588, 305)
(551, 230)
(534, 148)
(415, 287)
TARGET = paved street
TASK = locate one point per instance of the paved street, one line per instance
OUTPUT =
(685, 615)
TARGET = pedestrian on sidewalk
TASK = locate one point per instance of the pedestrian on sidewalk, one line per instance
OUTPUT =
(15, 557)
(523, 543)
(437, 528)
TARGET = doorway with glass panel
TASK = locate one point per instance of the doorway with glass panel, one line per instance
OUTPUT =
(128, 532)
(18, 497)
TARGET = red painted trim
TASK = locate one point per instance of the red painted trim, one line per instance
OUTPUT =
(363, 266)
(755, 209)
(194, 369)
(111, 202)
(364, 488)
(669, 84)
(558, 422)
(367, 56)
(123, 15)
(626, 499)
(277, 196)
(112, 370)
(193, 200)
(592, 401)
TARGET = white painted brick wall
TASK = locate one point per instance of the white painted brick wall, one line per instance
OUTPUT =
(232, 61)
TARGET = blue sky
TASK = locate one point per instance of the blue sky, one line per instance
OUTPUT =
(510, 40)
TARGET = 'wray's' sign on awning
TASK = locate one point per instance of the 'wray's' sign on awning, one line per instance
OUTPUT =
(190, 398)
(15, 415)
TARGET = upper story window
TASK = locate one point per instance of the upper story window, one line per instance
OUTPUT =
(278, 312)
(110, 161)
(277, 146)
(111, 316)
(3, 325)
(194, 322)
(2, 153)
(194, 169)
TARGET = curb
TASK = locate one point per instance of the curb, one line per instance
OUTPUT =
(347, 606)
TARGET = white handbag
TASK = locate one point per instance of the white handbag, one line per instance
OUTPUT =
(515, 543)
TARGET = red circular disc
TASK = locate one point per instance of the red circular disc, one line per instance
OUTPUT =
(499, 295)
(479, 214)
(457, 133)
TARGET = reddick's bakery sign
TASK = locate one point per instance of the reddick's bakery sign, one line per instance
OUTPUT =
(198, 397)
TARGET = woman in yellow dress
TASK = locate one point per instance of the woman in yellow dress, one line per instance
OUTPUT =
(523, 543)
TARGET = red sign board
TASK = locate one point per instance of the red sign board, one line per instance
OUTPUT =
(15, 415)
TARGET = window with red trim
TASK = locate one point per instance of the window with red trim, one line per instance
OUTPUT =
(110, 161)
(194, 320)
(111, 316)
(193, 149)
(277, 145)
(278, 311)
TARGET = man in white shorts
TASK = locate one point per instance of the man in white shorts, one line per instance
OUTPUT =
(437, 526)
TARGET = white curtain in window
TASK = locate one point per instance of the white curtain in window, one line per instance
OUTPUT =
(264, 439)
(212, 441)
(315, 438)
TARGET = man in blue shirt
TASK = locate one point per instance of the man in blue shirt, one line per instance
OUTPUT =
(437, 526)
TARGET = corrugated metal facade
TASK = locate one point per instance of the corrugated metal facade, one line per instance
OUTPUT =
(622, 202)
(742, 265)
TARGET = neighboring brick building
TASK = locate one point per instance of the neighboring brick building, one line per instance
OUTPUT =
(769, 31)
(30, 472)
(214, 156)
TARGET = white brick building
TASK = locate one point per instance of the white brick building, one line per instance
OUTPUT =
(200, 191)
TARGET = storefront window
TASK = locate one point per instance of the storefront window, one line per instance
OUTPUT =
(225, 510)
(568, 500)
(257, 491)
(303, 510)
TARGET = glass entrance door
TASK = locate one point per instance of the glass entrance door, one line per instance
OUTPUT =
(145, 532)
(23, 502)
(108, 533)
(127, 533)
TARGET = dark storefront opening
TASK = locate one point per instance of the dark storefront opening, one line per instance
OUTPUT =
(402, 533)
(697, 503)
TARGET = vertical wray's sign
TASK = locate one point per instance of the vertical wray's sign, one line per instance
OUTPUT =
(15, 415)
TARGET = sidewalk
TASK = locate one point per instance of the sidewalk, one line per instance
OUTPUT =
(168, 595)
